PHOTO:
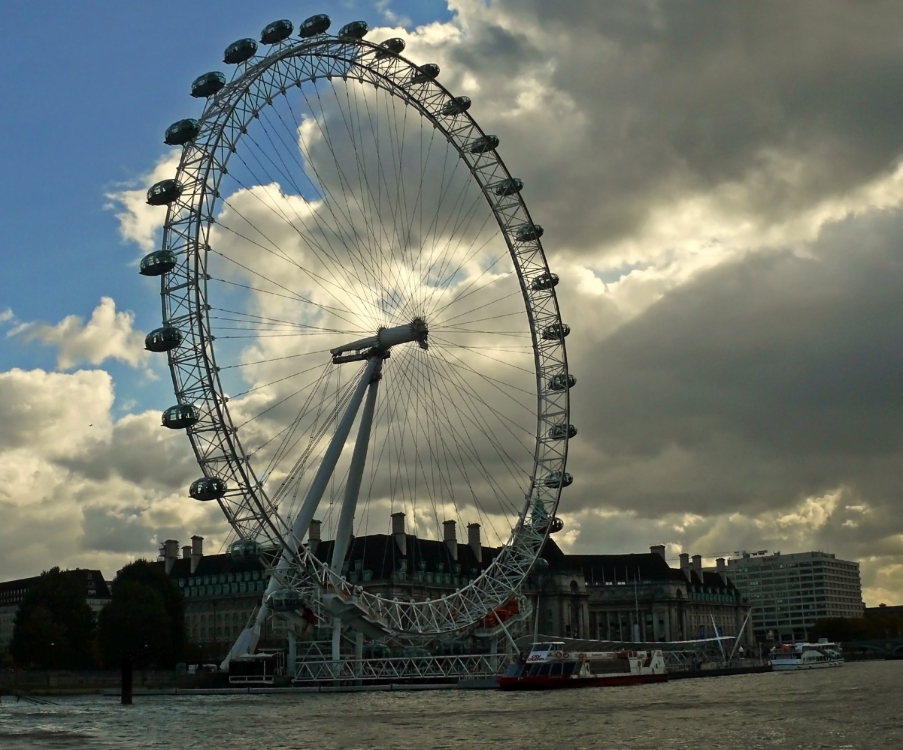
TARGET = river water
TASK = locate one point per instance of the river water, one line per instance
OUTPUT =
(857, 707)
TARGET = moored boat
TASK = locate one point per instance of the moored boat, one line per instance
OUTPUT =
(806, 656)
(550, 666)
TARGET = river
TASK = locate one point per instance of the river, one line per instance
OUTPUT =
(857, 707)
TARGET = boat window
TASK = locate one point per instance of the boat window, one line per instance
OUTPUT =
(569, 668)
(513, 670)
(544, 670)
(556, 669)
(534, 670)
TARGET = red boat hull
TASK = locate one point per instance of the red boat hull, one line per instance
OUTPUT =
(559, 683)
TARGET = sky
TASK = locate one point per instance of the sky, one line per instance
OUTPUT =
(720, 186)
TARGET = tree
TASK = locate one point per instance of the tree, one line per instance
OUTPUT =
(135, 625)
(54, 624)
(145, 619)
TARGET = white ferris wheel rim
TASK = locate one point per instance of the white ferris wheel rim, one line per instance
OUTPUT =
(194, 367)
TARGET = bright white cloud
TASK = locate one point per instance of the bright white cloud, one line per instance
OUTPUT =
(108, 334)
(139, 222)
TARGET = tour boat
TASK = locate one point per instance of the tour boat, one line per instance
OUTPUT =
(806, 656)
(550, 666)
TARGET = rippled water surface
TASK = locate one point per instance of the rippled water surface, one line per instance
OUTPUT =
(857, 707)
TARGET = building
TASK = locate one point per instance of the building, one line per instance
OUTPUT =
(222, 592)
(788, 593)
(634, 597)
(97, 594)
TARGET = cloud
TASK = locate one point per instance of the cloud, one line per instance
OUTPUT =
(6, 316)
(107, 335)
(720, 189)
(139, 222)
(81, 488)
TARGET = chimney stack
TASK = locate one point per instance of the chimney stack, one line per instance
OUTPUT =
(313, 536)
(197, 551)
(186, 552)
(721, 568)
(451, 538)
(697, 565)
(170, 553)
(658, 549)
(473, 541)
(685, 564)
(398, 533)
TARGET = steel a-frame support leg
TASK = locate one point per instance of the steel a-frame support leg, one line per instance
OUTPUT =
(355, 475)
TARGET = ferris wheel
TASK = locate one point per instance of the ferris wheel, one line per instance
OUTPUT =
(343, 244)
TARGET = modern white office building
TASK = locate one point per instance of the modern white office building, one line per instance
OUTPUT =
(788, 593)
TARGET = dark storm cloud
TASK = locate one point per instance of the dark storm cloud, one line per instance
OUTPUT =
(791, 102)
(761, 383)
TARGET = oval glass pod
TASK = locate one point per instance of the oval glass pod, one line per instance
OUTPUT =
(207, 488)
(163, 339)
(562, 431)
(456, 105)
(425, 73)
(180, 416)
(354, 30)
(557, 479)
(314, 25)
(561, 383)
(484, 144)
(275, 32)
(245, 549)
(511, 186)
(207, 84)
(394, 46)
(164, 192)
(547, 280)
(157, 263)
(240, 51)
(530, 232)
(556, 331)
(181, 132)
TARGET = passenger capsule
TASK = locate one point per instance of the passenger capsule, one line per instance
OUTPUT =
(556, 331)
(511, 186)
(180, 416)
(181, 132)
(484, 144)
(394, 46)
(314, 25)
(546, 280)
(164, 192)
(561, 383)
(425, 73)
(557, 479)
(284, 600)
(275, 32)
(556, 525)
(530, 232)
(456, 105)
(354, 30)
(240, 51)
(157, 263)
(207, 488)
(562, 431)
(163, 339)
(245, 549)
(207, 84)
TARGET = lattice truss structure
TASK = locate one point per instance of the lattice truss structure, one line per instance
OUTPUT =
(337, 210)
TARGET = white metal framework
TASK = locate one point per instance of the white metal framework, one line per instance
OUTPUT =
(345, 233)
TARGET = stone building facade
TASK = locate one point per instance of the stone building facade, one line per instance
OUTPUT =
(635, 597)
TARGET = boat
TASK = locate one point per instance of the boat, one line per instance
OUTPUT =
(806, 656)
(550, 666)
